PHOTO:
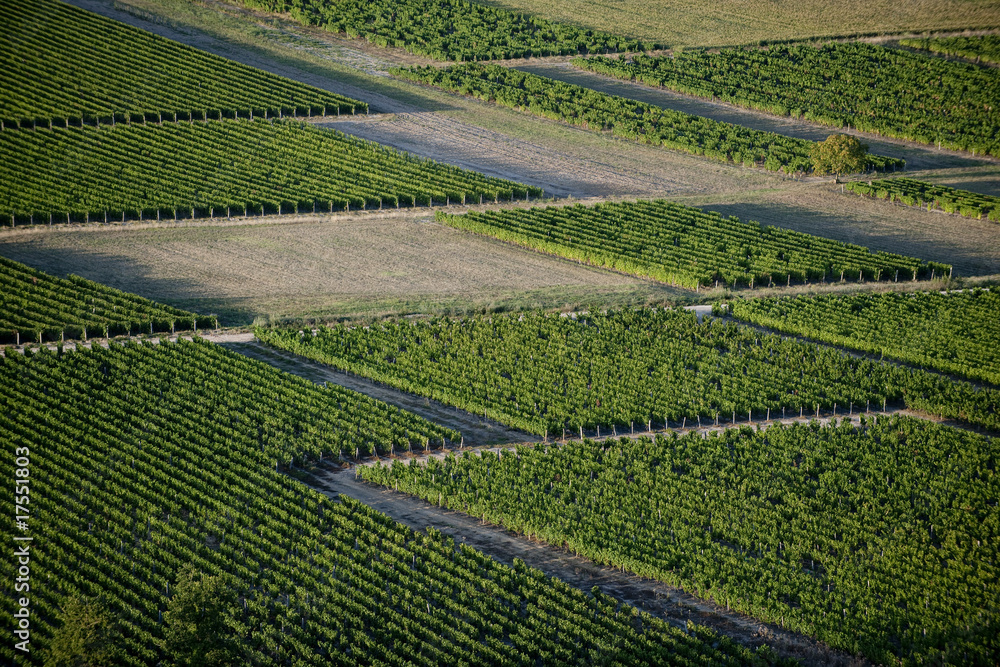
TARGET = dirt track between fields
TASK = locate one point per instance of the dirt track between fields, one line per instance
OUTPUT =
(475, 430)
(667, 602)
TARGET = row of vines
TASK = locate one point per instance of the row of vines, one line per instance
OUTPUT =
(65, 66)
(878, 538)
(628, 369)
(37, 307)
(954, 333)
(934, 197)
(983, 48)
(625, 118)
(145, 460)
(219, 169)
(871, 88)
(689, 247)
(451, 29)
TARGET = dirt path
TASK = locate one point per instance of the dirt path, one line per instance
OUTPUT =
(917, 156)
(667, 602)
(475, 430)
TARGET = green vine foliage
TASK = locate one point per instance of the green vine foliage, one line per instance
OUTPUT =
(933, 197)
(451, 29)
(152, 470)
(38, 307)
(892, 92)
(627, 119)
(687, 246)
(878, 537)
(219, 169)
(65, 66)
(628, 369)
(953, 333)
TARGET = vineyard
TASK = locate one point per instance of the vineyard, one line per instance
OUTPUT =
(558, 376)
(61, 65)
(932, 197)
(954, 333)
(625, 118)
(689, 247)
(916, 97)
(145, 460)
(37, 307)
(233, 168)
(451, 29)
(985, 48)
(878, 538)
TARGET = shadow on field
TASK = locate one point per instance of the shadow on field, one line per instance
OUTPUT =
(123, 273)
(852, 228)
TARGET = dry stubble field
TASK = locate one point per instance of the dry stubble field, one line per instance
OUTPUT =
(320, 267)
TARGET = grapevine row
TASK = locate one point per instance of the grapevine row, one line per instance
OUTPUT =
(451, 29)
(872, 88)
(554, 376)
(37, 307)
(934, 197)
(689, 247)
(67, 66)
(984, 48)
(879, 538)
(147, 459)
(232, 168)
(625, 118)
(954, 333)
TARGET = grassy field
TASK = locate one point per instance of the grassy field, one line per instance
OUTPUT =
(695, 23)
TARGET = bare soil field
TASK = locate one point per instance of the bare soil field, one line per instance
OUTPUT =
(319, 267)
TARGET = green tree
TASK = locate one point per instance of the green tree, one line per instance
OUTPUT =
(87, 636)
(195, 629)
(839, 154)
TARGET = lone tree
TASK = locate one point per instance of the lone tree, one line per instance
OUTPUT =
(839, 154)
(88, 636)
(196, 633)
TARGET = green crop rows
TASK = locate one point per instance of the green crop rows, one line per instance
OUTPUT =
(985, 48)
(954, 333)
(66, 66)
(145, 459)
(37, 307)
(239, 167)
(871, 88)
(555, 375)
(879, 538)
(450, 29)
(940, 197)
(629, 119)
(686, 246)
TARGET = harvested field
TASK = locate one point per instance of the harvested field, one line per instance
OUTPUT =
(694, 23)
(319, 267)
